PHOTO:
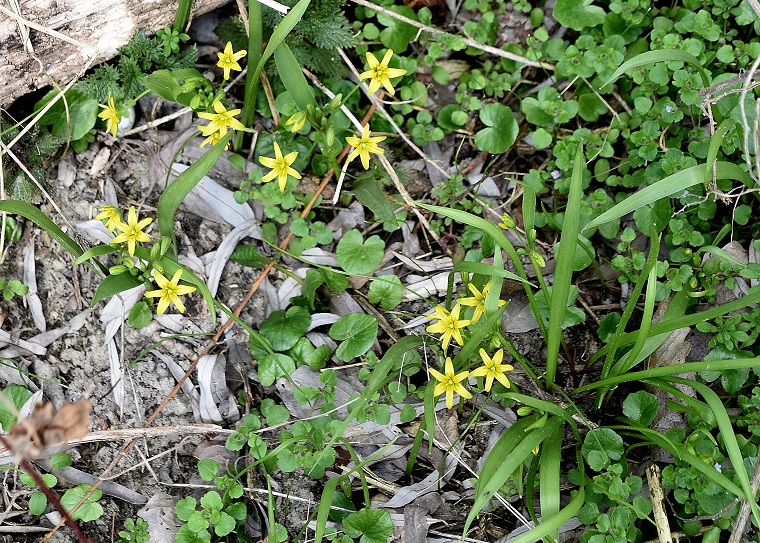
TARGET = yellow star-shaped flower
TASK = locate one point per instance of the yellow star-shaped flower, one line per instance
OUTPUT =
(169, 292)
(221, 120)
(364, 146)
(228, 60)
(280, 167)
(132, 231)
(449, 325)
(110, 215)
(111, 115)
(450, 383)
(478, 300)
(492, 368)
(380, 74)
(212, 138)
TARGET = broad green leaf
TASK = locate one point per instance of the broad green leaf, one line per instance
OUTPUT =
(37, 503)
(600, 446)
(501, 129)
(292, 77)
(140, 315)
(641, 407)
(397, 35)
(578, 14)
(283, 328)
(387, 291)
(225, 525)
(673, 185)
(275, 366)
(16, 396)
(359, 257)
(212, 500)
(28, 211)
(59, 461)
(90, 509)
(650, 57)
(357, 333)
(274, 414)
(185, 507)
(75, 123)
(369, 525)
(369, 191)
(208, 468)
(114, 284)
(164, 84)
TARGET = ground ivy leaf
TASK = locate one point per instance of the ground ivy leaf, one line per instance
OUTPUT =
(501, 129)
(387, 291)
(370, 525)
(641, 406)
(90, 508)
(275, 366)
(208, 469)
(37, 503)
(283, 328)
(359, 257)
(357, 332)
(578, 14)
(275, 414)
(600, 446)
(408, 413)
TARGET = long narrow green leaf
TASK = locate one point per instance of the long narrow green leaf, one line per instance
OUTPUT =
(28, 211)
(488, 270)
(549, 477)
(521, 445)
(549, 525)
(726, 429)
(666, 326)
(674, 184)
(175, 193)
(295, 83)
(715, 142)
(255, 43)
(661, 55)
(280, 32)
(668, 371)
(95, 252)
(563, 271)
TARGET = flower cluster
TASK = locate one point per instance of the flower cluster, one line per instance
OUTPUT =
(449, 324)
(450, 383)
(131, 233)
(219, 122)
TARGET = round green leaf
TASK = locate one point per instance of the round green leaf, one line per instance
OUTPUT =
(357, 332)
(208, 469)
(387, 291)
(283, 328)
(578, 14)
(140, 315)
(37, 503)
(370, 525)
(275, 366)
(541, 138)
(16, 396)
(600, 446)
(501, 131)
(359, 257)
(641, 406)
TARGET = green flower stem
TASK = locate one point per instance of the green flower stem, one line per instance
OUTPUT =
(182, 16)
(252, 77)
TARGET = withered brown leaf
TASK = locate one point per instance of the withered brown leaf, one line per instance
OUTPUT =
(45, 427)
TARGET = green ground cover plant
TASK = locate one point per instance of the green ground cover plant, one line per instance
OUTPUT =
(633, 136)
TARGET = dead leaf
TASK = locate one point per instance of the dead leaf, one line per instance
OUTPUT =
(45, 427)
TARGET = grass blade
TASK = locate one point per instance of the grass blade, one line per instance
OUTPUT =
(549, 477)
(175, 193)
(661, 55)
(563, 273)
(673, 184)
